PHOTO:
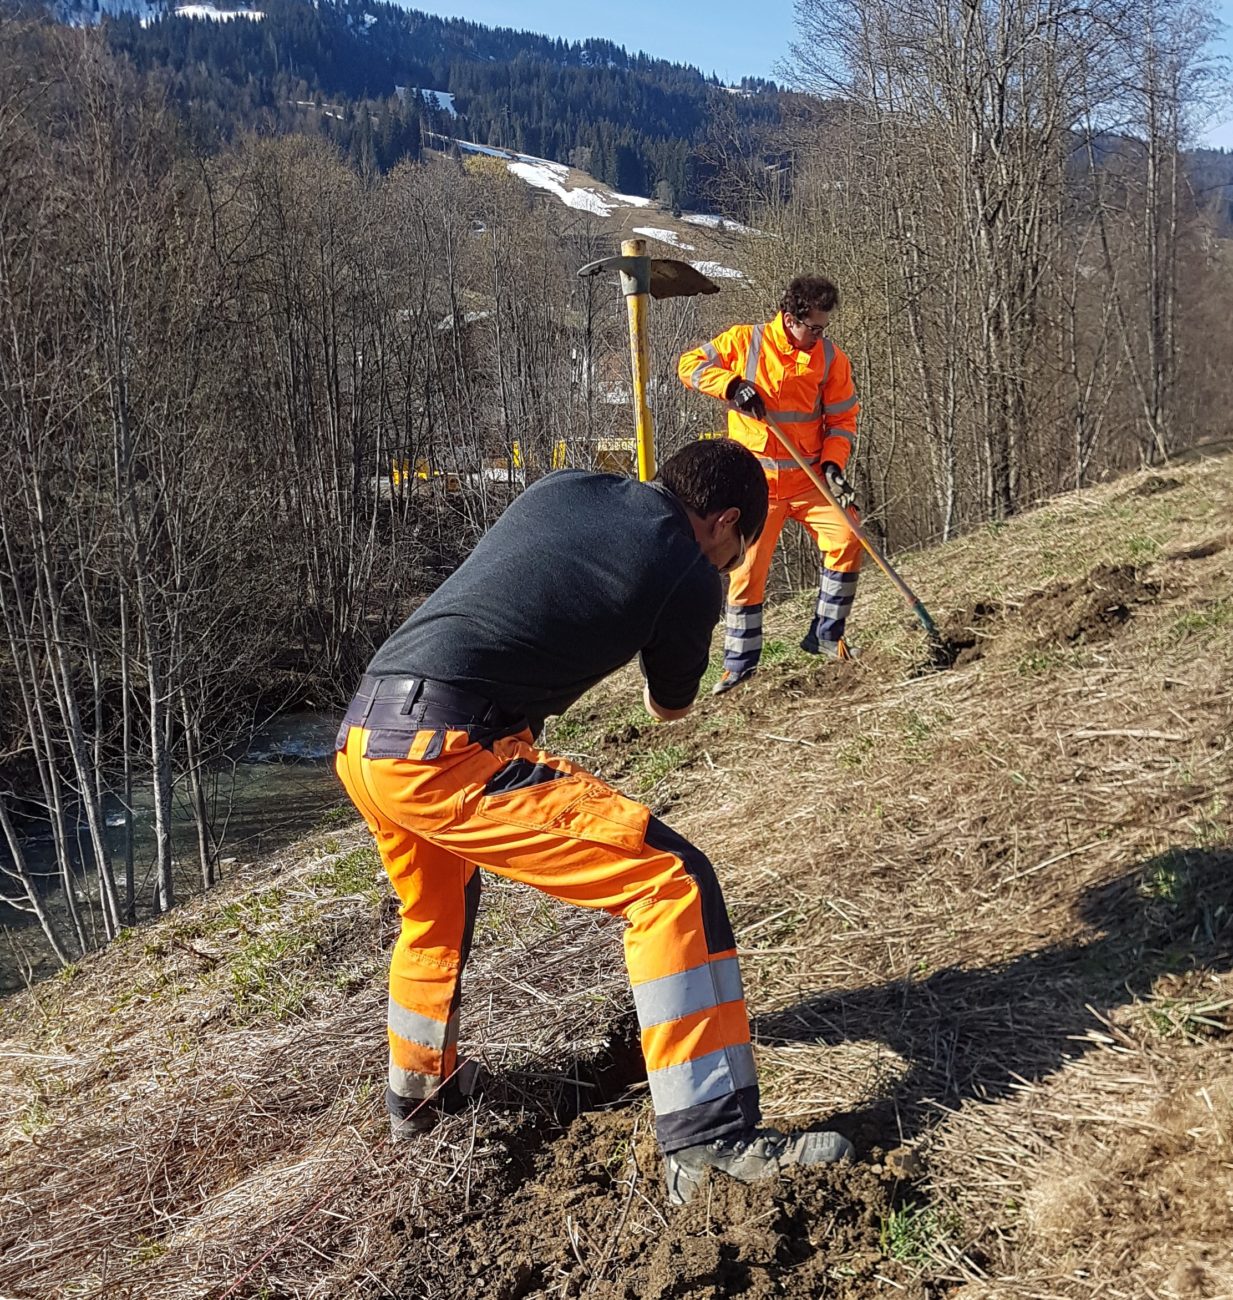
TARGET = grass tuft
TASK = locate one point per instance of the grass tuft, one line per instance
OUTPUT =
(913, 1234)
(267, 974)
(357, 872)
(654, 765)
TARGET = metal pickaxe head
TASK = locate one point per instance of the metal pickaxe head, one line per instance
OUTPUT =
(661, 277)
(658, 277)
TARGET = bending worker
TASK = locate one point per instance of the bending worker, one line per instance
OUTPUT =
(787, 367)
(580, 574)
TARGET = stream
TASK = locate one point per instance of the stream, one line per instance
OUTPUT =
(276, 792)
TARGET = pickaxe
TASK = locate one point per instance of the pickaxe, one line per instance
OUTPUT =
(656, 277)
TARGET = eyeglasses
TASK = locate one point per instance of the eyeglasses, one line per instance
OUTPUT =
(815, 331)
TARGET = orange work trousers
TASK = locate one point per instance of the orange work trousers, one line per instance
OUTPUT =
(840, 551)
(450, 805)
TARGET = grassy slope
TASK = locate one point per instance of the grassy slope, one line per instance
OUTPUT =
(984, 911)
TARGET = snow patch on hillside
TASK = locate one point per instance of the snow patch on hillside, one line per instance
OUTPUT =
(714, 222)
(549, 176)
(664, 236)
(202, 12)
(439, 99)
(467, 147)
(553, 177)
(214, 15)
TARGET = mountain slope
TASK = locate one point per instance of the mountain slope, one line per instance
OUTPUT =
(985, 912)
(637, 123)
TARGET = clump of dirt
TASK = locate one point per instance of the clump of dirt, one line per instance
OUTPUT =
(1154, 486)
(595, 1221)
(853, 679)
(961, 637)
(1203, 551)
(1089, 610)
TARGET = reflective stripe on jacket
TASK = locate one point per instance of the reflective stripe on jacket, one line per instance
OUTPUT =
(810, 393)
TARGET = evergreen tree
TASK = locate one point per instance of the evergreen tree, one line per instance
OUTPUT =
(641, 119)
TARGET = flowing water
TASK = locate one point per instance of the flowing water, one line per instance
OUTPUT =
(276, 791)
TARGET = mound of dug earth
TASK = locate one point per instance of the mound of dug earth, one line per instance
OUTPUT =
(963, 635)
(1088, 610)
(595, 1222)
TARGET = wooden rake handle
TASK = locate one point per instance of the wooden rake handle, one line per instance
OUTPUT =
(819, 481)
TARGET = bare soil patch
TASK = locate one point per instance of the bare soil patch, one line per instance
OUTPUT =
(592, 1220)
(1089, 610)
(962, 637)
(1154, 486)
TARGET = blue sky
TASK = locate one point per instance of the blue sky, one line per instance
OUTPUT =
(716, 37)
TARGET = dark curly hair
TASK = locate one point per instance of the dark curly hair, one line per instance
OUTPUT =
(808, 293)
(715, 474)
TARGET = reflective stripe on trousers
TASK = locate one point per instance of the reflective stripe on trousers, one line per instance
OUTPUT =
(423, 1048)
(534, 817)
(836, 592)
(742, 638)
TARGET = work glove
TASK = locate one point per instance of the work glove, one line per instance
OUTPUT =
(745, 397)
(843, 491)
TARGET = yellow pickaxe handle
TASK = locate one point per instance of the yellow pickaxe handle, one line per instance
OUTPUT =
(644, 278)
(819, 481)
(640, 357)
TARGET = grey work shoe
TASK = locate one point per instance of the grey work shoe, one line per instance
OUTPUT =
(409, 1116)
(731, 679)
(762, 1153)
(829, 649)
(405, 1127)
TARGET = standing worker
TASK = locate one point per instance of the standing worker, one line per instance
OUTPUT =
(789, 368)
(580, 574)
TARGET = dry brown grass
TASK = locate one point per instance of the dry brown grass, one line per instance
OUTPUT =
(985, 881)
(201, 1110)
(986, 912)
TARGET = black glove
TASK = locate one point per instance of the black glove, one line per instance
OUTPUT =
(843, 491)
(745, 397)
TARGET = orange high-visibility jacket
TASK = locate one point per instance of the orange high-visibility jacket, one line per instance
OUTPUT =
(810, 393)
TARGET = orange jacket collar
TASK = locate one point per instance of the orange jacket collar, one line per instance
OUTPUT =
(778, 332)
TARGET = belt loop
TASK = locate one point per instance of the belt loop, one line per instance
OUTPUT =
(364, 697)
(413, 694)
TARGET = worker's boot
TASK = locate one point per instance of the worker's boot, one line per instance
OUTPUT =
(420, 1119)
(731, 678)
(411, 1116)
(742, 646)
(759, 1154)
(839, 649)
(836, 592)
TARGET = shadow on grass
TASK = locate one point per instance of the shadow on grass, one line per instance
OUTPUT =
(974, 1033)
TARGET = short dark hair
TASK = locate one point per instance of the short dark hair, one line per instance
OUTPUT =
(808, 293)
(715, 474)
